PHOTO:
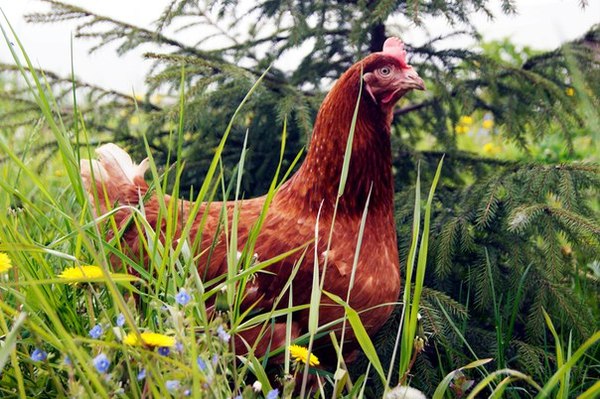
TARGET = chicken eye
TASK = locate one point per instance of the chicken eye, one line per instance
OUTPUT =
(385, 71)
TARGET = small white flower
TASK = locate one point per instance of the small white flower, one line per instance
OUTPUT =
(404, 392)
(257, 386)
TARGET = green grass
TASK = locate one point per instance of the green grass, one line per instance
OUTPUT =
(48, 226)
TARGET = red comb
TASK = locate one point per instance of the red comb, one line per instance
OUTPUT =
(395, 48)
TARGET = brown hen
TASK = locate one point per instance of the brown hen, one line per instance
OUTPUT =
(292, 215)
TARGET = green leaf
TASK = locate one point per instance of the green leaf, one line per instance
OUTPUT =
(361, 334)
(592, 392)
(490, 378)
(348, 152)
(560, 361)
(11, 339)
(545, 391)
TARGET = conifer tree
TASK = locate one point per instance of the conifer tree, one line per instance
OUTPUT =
(510, 237)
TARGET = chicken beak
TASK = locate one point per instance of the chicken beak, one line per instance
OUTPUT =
(412, 80)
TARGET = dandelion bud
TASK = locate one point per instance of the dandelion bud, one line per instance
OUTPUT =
(419, 344)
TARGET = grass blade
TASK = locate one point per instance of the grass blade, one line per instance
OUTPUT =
(361, 334)
(445, 383)
(11, 339)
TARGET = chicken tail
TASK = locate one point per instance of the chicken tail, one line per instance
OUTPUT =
(114, 177)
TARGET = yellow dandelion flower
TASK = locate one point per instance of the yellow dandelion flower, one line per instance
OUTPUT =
(569, 91)
(460, 129)
(81, 272)
(5, 263)
(490, 149)
(300, 354)
(89, 273)
(134, 120)
(149, 339)
(465, 120)
(487, 124)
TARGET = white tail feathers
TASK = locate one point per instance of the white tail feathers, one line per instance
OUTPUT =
(117, 162)
(114, 167)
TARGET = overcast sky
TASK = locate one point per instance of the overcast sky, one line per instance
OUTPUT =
(541, 24)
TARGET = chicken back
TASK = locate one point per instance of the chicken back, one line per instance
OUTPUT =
(380, 79)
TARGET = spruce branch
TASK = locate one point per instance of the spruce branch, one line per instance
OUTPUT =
(55, 79)
(131, 35)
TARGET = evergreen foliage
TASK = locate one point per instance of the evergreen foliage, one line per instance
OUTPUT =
(509, 238)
